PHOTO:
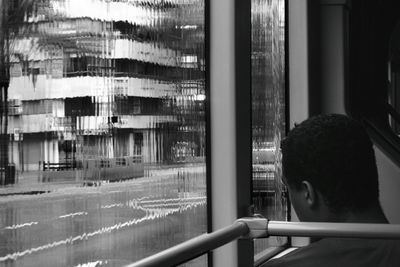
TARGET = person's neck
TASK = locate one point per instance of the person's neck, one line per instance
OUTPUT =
(371, 215)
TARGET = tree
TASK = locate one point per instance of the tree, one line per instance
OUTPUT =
(11, 16)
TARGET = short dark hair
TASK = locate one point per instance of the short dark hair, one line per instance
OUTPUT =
(335, 154)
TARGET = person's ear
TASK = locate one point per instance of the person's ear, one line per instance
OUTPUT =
(309, 193)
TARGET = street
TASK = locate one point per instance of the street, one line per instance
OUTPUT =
(109, 225)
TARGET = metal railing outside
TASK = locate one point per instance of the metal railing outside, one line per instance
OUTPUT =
(261, 228)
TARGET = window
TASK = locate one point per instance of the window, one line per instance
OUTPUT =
(268, 112)
(102, 130)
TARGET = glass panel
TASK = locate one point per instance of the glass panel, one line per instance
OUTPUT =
(268, 105)
(102, 130)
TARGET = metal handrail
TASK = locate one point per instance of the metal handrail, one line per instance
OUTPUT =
(255, 227)
(345, 230)
(194, 247)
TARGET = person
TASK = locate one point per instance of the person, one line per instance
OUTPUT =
(331, 174)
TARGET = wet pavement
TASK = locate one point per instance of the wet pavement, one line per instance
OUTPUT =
(108, 225)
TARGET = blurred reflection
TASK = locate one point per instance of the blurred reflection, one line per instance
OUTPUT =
(268, 100)
(102, 125)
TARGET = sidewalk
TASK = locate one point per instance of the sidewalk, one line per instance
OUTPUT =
(28, 182)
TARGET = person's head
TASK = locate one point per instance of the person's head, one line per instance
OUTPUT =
(329, 167)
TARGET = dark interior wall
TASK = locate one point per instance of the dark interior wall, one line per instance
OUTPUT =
(314, 53)
(370, 26)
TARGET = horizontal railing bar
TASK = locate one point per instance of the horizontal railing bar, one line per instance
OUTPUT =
(349, 230)
(257, 227)
(194, 247)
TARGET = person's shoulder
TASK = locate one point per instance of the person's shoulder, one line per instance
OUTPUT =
(342, 252)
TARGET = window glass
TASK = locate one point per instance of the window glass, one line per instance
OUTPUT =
(268, 112)
(102, 138)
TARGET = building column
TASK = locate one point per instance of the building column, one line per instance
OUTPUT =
(131, 144)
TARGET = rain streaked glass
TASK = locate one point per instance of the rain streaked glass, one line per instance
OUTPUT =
(268, 112)
(102, 138)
